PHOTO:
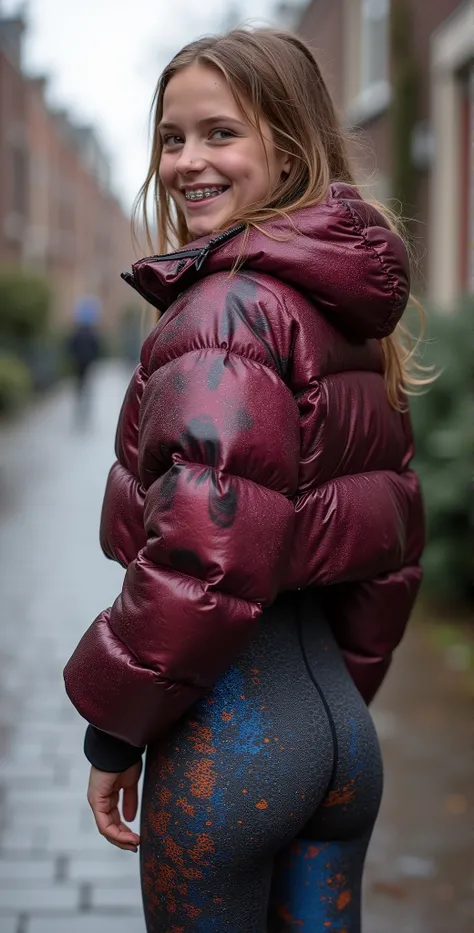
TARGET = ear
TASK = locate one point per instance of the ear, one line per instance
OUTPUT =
(286, 165)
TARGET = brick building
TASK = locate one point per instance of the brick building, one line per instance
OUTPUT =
(13, 143)
(58, 214)
(355, 42)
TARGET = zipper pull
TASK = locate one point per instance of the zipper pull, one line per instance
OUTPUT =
(201, 258)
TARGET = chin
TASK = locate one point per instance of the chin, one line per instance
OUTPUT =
(198, 229)
(206, 225)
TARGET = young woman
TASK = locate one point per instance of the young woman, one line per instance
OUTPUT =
(264, 507)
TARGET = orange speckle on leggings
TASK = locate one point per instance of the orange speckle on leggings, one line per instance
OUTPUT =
(312, 852)
(218, 900)
(262, 805)
(242, 696)
(344, 900)
(204, 846)
(341, 795)
(187, 807)
(192, 912)
(239, 822)
(262, 708)
(202, 777)
(201, 739)
(227, 717)
(164, 796)
(267, 741)
(255, 670)
(174, 851)
(244, 791)
(159, 821)
(166, 768)
(192, 874)
(208, 822)
(285, 915)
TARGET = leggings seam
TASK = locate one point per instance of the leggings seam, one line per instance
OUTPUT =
(332, 726)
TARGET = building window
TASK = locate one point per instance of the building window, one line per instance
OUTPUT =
(374, 43)
(367, 25)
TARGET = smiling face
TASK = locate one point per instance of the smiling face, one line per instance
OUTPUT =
(213, 162)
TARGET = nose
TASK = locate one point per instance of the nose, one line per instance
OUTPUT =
(191, 159)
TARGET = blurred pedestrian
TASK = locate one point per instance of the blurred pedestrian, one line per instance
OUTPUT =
(264, 507)
(84, 349)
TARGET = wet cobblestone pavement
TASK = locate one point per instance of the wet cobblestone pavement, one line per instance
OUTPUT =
(57, 875)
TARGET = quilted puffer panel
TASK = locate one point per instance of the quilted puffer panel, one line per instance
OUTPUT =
(352, 528)
(122, 533)
(347, 427)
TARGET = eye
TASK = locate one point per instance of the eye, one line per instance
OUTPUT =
(220, 134)
(172, 139)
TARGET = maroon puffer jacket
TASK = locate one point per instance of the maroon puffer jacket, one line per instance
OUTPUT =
(256, 453)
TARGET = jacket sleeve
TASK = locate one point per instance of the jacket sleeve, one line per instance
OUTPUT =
(218, 458)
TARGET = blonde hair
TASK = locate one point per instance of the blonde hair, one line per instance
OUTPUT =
(276, 73)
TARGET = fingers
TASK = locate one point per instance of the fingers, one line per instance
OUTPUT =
(117, 833)
(103, 797)
(130, 802)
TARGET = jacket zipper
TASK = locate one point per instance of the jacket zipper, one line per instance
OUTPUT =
(201, 252)
(200, 255)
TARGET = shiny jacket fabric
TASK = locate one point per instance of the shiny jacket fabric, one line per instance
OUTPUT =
(256, 453)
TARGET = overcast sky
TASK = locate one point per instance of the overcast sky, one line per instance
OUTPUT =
(104, 58)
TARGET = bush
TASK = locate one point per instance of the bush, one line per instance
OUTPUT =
(25, 305)
(442, 420)
(15, 382)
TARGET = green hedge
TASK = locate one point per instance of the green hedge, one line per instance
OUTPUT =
(25, 305)
(443, 422)
(15, 382)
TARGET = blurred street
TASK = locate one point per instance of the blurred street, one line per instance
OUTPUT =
(57, 875)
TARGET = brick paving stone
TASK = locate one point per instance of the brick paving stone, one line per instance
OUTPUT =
(110, 897)
(105, 869)
(57, 800)
(24, 841)
(8, 924)
(51, 897)
(87, 923)
(14, 869)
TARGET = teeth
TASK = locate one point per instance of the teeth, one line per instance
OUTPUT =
(198, 194)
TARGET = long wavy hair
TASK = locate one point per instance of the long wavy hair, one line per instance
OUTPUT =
(276, 73)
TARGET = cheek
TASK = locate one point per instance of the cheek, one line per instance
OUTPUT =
(248, 171)
(166, 171)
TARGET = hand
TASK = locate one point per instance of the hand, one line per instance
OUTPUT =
(103, 795)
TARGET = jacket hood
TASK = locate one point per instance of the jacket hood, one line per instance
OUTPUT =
(340, 253)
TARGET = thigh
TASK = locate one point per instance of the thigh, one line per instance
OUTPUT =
(201, 869)
(316, 887)
(229, 787)
(318, 877)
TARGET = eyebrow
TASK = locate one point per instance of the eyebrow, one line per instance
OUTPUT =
(220, 118)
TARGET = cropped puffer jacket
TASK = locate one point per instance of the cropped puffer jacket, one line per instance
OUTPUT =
(257, 453)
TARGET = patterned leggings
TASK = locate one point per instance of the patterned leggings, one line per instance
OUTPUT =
(259, 806)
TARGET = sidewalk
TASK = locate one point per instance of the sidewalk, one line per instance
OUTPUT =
(57, 875)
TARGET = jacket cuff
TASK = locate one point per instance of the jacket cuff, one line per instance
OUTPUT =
(107, 753)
